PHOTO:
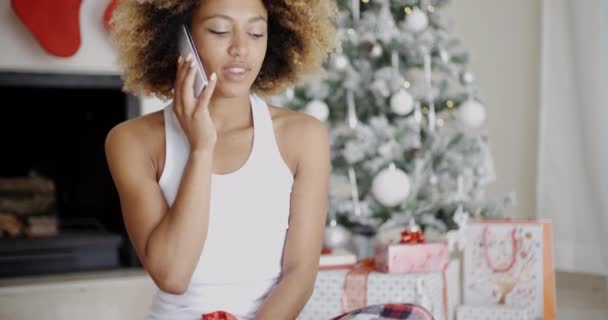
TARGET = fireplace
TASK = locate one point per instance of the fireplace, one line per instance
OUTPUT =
(53, 131)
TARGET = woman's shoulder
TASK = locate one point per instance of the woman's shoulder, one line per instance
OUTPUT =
(295, 123)
(298, 128)
(139, 129)
(139, 136)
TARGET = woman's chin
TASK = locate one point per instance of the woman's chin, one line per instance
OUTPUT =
(233, 90)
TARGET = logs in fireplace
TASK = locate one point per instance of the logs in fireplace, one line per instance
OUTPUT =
(26, 207)
(59, 210)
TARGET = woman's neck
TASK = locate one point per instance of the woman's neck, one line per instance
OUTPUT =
(230, 112)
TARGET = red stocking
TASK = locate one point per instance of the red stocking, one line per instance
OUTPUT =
(107, 15)
(54, 23)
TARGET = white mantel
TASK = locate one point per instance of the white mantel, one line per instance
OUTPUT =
(95, 295)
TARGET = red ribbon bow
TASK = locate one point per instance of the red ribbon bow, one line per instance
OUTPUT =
(408, 236)
(219, 315)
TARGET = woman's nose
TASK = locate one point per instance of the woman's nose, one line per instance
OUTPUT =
(238, 47)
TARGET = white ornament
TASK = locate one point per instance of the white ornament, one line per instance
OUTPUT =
(318, 109)
(467, 77)
(340, 62)
(376, 51)
(444, 56)
(391, 186)
(290, 93)
(336, 237)
(402, 102)
(417, 20)
(472, 113)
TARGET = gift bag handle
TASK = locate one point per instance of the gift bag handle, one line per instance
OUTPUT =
(486, 231)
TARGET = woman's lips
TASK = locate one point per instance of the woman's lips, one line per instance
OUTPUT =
(235, 73)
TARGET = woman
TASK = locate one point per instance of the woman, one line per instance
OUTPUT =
(223, 196)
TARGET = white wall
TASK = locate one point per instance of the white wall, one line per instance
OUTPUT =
(503, 38)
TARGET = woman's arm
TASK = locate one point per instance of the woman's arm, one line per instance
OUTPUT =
(168, 241)
(306, 224)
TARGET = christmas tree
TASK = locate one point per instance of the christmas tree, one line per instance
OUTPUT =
(405, 118)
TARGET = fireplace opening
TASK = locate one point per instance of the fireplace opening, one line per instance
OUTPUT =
(59, 209)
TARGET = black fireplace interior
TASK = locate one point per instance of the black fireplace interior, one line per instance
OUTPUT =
(54, 126)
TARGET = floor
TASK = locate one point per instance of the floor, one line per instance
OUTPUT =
(581, 297)
(127, 295)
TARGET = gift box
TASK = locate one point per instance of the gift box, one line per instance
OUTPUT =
(466, 312)
(407, 258)
(409, 252)
(340, 291)
(336, 259)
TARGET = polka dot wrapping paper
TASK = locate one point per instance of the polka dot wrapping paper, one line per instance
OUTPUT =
(436, 291)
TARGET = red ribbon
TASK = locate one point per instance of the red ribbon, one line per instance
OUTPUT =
(354, 295)
(408, 236)
(219, 315)
(326, 251)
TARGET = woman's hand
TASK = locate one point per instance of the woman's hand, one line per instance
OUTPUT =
(192, 112)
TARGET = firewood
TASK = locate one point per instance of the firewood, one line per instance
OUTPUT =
(34, 184)
(41, 226)
(26, 204)
(10, 224)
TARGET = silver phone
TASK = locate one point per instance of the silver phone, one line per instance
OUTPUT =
(186, 46)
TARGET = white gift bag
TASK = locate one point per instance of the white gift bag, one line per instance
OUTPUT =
(510, 263)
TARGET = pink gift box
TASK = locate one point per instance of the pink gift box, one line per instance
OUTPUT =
(411, 258)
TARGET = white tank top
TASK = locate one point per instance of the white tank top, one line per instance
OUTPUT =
(248, 219)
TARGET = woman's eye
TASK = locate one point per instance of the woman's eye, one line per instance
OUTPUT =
(220, 33)
(256, 35)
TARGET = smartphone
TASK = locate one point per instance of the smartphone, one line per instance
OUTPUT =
(186, 47)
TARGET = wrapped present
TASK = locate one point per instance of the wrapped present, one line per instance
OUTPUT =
(408, 258)
(336, 259)
(410, 253)
(510, 263)
(495, 312)
(343, 290)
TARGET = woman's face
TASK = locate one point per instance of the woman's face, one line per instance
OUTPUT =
(231, 37)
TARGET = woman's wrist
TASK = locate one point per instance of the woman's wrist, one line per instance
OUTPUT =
(205, 153)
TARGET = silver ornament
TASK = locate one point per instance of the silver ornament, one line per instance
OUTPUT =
(336, 236)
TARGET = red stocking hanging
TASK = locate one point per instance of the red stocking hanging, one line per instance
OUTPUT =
(107, 15)
(55, 24)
